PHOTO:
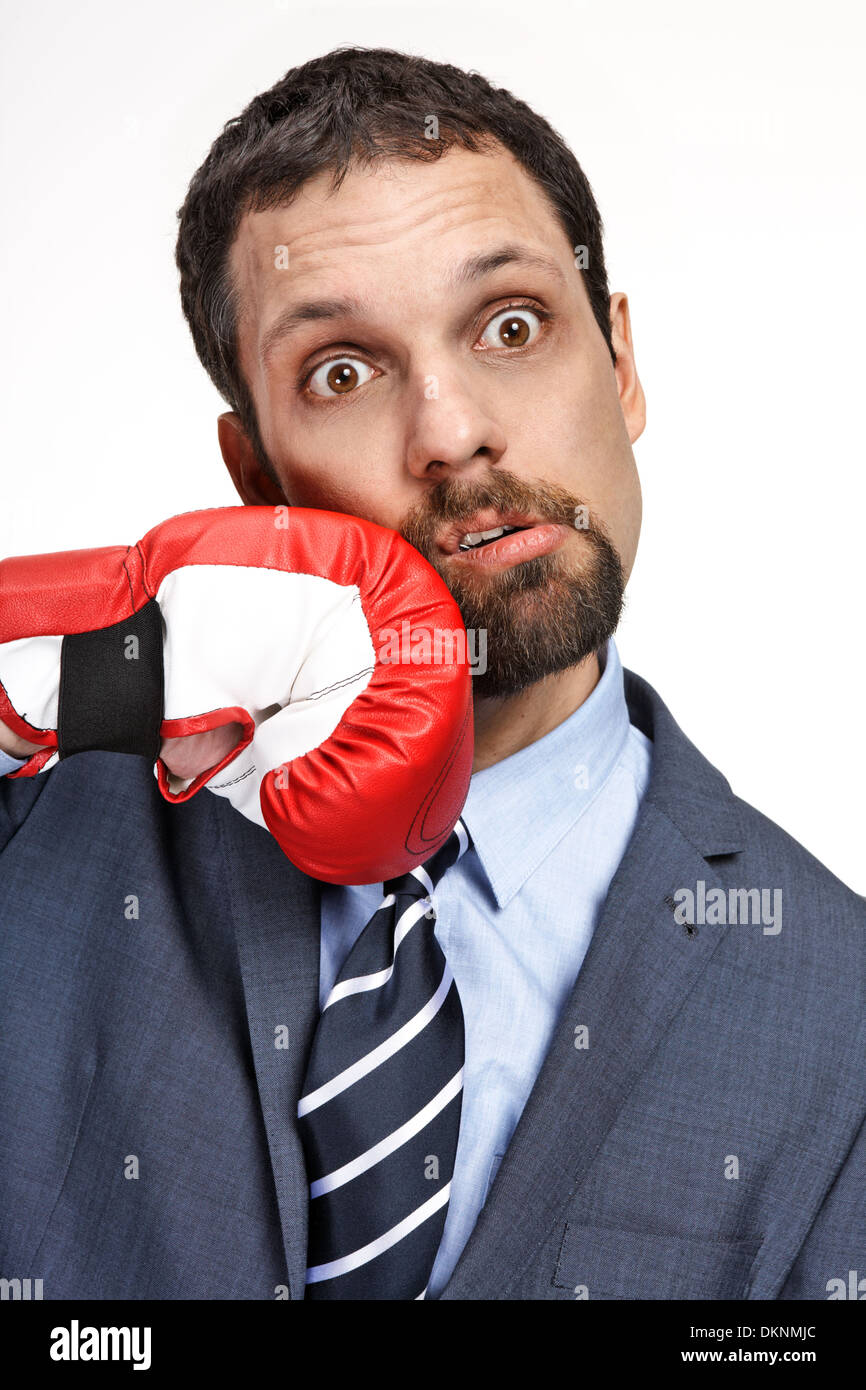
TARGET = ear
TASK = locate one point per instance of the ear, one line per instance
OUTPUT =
(253, 485)
(631, 394)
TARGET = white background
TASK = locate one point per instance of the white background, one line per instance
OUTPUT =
(724, 144)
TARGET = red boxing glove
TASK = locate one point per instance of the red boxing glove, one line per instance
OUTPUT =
(274, 618)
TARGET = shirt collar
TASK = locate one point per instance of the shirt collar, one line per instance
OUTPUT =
(518, 810)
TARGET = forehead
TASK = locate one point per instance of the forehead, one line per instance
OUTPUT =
(389, 225)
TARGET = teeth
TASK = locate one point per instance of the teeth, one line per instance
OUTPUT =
(473, 538)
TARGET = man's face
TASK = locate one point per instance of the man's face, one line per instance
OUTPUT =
(421, 352)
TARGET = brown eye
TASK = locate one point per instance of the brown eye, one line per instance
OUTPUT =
(514, 332)
(512, 328)
(340, 377)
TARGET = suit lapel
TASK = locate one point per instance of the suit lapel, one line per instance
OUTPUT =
(639, 969)
(276, 912)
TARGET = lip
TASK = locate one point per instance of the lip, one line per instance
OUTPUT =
(539, 538)
(486, 520)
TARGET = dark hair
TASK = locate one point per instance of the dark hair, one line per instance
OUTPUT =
(359, 104)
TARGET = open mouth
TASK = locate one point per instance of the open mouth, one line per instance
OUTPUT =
(474, 540)
(492, 540)
(484, 528)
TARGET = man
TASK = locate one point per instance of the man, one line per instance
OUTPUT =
(394, 274)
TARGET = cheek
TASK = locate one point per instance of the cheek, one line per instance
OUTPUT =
(327, 479)
(625, 509)
(574, 434)
(323, 459)
(612, 490)
(319, 484)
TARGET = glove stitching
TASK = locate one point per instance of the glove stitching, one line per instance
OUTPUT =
(218, 786)
(347, 680)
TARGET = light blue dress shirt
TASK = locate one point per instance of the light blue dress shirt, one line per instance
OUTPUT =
(8, 764)
(515, 917)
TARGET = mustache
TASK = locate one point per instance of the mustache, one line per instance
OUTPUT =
(457, 500)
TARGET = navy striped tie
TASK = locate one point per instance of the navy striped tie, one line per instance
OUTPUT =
(379, 1113)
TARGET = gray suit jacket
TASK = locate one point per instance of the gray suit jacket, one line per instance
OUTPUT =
(159, 993)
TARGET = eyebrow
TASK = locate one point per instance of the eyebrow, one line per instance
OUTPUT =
(473, 269)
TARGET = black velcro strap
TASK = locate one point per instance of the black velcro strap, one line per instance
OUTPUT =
(111, 688)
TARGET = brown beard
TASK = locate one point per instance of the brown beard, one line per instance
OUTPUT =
(542, 616)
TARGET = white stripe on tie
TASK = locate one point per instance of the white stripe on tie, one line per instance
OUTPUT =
(423, 877)
(376, 1247)
(392, 1141)
(462, 838)
(379, 1054)
(359, 983)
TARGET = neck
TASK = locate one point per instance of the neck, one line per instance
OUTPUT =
(504, 726)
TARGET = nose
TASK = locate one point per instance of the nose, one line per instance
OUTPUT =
(451, 431)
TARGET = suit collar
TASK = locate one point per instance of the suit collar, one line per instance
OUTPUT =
(683, 784)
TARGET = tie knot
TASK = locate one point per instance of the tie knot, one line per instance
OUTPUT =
(421, 881)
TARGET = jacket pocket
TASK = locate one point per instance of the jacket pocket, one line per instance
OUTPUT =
(607, 1262)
